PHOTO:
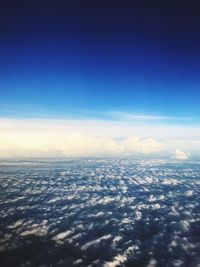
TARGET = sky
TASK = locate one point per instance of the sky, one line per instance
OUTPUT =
(99, 78)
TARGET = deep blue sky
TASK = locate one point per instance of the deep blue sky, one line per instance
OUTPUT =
(59, 58)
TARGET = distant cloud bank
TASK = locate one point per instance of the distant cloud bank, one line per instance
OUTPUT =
(37, 137)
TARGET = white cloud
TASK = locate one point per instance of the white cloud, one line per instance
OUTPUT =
(119, 115)
(144, 146)
(37, 137)
(179, 154)
(85, 145)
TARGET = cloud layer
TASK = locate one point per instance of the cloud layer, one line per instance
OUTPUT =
(99, 212)
(36, 137)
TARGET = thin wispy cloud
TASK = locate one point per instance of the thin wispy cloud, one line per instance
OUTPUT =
(120, 115)
(144, 117)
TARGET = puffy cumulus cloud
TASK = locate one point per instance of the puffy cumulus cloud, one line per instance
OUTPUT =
(144, 146)
(82, 145)
(179, 154)
(36, 137)
(78, 144)
(49, 141)
(44, 143)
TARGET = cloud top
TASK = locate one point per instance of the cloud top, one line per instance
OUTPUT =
(36, 137)
(181, 155)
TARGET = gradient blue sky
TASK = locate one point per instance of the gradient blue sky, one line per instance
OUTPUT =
(57, 59)
(100, 60)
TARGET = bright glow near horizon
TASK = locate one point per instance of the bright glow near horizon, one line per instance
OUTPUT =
(39, 137)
